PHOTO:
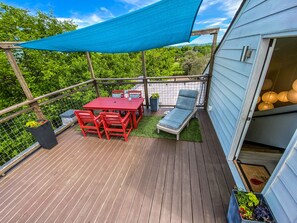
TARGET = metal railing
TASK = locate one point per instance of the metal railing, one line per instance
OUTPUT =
(167, 87)
(16, 142)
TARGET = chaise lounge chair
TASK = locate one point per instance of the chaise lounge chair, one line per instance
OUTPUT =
(176, 120)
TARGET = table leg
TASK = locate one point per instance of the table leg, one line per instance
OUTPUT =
(134, 119)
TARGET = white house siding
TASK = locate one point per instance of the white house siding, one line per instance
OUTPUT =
(231, 81)
(231, 78)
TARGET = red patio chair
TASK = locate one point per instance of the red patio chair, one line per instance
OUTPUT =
(115, 125)
(89, 123)
(117, 93)
(134, 94)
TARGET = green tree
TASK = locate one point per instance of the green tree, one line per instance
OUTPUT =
(162, 61)
(44, 71)
(190, 63)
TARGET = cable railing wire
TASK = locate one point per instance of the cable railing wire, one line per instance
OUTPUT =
(14, 138)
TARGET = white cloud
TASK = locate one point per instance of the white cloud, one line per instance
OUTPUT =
(108, 12)
(84, 20)
(213, 22)
(223, 30)
(137, 4)
(90, 19)
(229, 7)
(206, 4)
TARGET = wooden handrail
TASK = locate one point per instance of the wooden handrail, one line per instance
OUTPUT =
(64, 89)
(142, 78)
(28, 102)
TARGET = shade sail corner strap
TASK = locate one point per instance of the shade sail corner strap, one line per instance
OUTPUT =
(161, 24)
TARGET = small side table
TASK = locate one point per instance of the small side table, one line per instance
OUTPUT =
(68, 117)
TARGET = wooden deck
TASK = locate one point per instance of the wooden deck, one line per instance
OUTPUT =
(142, 180)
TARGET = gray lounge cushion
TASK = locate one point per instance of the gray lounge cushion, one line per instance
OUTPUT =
(175, 118)
(187, 99)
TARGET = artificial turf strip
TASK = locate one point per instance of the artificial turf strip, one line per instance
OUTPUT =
(147, 128)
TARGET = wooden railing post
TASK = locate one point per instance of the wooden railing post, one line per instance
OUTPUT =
(92, 73)
(211, 63)
(23, 84)
(144, 79)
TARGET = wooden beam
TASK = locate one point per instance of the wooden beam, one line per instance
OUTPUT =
(9, 45)
(23, 84)
(144, 79)
(28, 102)
(18, 74)
(211, 63)
(211, 31)
(92, 73)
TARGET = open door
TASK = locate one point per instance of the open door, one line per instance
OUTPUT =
(272, 120)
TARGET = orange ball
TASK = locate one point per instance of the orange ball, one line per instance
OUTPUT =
(282, 96)
(269, 97)
(265, 106)
(292, 96)
(294, 85)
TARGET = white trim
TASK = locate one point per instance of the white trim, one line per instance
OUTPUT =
(280, 165)
(289, 33)
(256, 73)
(255, 96)
(238, 180)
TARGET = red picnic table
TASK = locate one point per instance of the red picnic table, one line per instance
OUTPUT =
(119, 104)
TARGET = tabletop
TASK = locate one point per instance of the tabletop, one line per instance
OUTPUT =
(114, 103)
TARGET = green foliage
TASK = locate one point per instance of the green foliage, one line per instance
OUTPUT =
(193, 63)
(247, 201)
(155, 95)
(117, 65)
(159, 62)
(33, 124)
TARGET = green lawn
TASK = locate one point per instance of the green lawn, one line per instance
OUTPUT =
(147, 128)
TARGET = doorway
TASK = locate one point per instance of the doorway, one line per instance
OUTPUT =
(274, 118)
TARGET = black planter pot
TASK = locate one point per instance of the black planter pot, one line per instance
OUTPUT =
(154, 102)
(45, 135)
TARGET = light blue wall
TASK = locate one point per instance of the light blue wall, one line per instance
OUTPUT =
(230, 84)
(231, 78)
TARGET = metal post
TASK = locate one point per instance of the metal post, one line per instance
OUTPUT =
(144, 79)
(211, 63)
(92, 73)
(23, 84)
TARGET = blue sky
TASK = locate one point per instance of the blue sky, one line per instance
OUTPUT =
(212, 13)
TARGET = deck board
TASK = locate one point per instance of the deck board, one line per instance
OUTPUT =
(98, 180)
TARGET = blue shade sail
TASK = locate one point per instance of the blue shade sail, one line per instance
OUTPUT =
(161, 24)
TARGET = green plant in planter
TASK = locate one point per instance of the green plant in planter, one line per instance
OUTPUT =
(34, 124)
(247, 207)
(154, 102)
(155, 95)
(247, 202)
(43, 132)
